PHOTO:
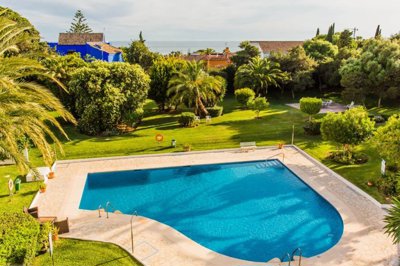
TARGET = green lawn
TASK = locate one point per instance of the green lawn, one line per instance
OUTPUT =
(86, 253)
(235, 126)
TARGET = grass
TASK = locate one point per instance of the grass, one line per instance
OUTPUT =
(86, 253)
(227, 131)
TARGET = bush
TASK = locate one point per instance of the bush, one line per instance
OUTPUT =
(310, 106)
(258, 104)
(215, 111)
(187, 119)
(344, 157)
(105, 92)
(245, 95)
(19, 238)
(134, 118)
(389, 184)
(313, 127)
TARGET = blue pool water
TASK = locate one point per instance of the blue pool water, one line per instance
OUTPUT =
(250, 210)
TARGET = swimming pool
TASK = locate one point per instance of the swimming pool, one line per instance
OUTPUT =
(254, 210)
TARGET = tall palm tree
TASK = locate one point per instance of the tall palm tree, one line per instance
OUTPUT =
(25, 105)
(193, 86)
(259, 74)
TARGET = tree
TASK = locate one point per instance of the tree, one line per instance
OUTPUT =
(331, 32)
(299, 66)
(193, 86)
(28, 40)
(310, 106)
(79, 24)
(320, 50)
(62, 67)
(317, 34)
(346, 40)
(244, 96)
(161, 73)
(105, 92)
(141, 39)
(392, 220)
(259, 74)
(245, 55)
(349, 128)
(376, 71)
(378, 32)
(258, 104)
(387, 140)
(139, 53)
(25, 105)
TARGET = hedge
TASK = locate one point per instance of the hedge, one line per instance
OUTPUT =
(19, 238)
(215, 111)
(187, 119)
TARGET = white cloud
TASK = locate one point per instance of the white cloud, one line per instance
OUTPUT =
(211, 19)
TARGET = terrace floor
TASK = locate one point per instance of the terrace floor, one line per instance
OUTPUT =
(363, 241)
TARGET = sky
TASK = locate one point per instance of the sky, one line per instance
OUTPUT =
(206, 20)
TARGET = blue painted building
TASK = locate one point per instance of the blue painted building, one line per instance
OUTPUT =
(87, 44)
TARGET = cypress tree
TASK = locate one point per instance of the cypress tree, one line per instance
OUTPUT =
(317, 34)
(331, 32)
(378, 32)
(79, 24)
(141, 37)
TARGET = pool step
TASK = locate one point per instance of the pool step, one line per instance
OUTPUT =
(269, 164)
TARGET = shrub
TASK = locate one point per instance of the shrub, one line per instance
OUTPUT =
(215, 111)
(245, 95)
(19, 238)
(106, 91)
(258, 104)
(386, 140)
(187, 119)
(313, 127)
(389, 184)
(134, 118)
(343, 157)
(349, 128)
(310, 106)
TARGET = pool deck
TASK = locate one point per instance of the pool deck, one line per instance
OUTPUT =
(363, 242)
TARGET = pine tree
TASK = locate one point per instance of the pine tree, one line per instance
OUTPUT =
(141, 37)
(378, 32)
(317, 34)
(79, 24)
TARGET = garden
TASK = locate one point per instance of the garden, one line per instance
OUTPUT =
(64, 107)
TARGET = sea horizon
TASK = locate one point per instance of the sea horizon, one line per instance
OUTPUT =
(166, 47)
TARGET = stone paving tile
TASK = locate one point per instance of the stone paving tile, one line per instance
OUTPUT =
(363, 242)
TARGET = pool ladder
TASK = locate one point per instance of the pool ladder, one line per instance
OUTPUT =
(107, 209)
(291, 257)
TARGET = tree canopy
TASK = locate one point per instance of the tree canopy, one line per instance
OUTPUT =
(376, 71)
(105, 91)
(387, 140)
(244, 56)
(79, 24)
(259, 74)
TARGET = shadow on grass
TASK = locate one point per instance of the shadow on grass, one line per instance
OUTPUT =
(113, 260)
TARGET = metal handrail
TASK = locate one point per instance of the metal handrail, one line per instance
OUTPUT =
(287, 255)
(300, 255)
(99, 209)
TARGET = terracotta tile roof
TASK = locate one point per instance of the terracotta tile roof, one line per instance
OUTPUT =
(276, 46)
(105, 47)
(79, 38)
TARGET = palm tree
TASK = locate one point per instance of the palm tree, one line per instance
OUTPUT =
(25, 105)
(259, 74)
(392, 221)
(193, 86)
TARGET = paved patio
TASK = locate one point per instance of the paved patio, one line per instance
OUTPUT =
(363, 242)
(334, 107)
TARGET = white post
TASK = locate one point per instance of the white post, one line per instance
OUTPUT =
(293, 135)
